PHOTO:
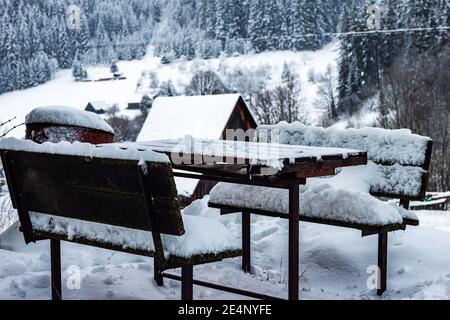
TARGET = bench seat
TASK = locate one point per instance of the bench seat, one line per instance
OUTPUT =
(205, 239)
(325, 200)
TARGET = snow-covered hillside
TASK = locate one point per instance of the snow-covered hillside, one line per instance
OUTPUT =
(334, 264)
(63, 90)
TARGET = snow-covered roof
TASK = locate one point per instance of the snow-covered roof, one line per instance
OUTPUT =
(68, 116)
(197, 116)
(99, 105)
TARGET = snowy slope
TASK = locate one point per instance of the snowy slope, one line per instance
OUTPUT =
(334, 262)
(63, 90)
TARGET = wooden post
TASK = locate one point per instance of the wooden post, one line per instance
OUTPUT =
(158, 272)
(55, 254)
(404, 204)
(187, 275)
(246, 242)
(153, 221)
(294, 218)
(382, 262)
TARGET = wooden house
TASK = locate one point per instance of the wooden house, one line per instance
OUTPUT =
(98, 107)
(207, 117)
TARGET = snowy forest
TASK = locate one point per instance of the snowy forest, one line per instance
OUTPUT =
(404, 67)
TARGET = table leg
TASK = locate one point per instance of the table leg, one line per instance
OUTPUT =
(294, 218)
(246, 242)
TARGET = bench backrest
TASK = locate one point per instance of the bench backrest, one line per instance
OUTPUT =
(109, 191)
(402, 158)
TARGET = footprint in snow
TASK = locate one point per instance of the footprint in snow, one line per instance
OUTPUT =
(108, 281)
(98, 269)
(37, 281)
(15, 290)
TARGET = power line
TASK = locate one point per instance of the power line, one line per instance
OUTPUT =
(308, 35)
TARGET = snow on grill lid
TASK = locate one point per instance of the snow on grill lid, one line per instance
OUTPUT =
(107, 151)
(68, 116)
(385, 146)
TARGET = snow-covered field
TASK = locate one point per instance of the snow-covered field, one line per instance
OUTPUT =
(334, 263)
(63, 90)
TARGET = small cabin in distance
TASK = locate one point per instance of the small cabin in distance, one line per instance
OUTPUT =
(203, 117)
(98, 107)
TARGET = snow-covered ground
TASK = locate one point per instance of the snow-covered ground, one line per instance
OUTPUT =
(334, 263)
(64, 91)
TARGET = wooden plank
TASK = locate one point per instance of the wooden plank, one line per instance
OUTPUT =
(219, 287)
(17, 196)
(107, 175)
(275, 182)
(100, 207)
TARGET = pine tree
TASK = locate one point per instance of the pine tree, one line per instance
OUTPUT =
(82, 37)
(222, 20)
(272, 21)
(210, 19)
(298, 26)
(418, 16)
(389, 42)
(345, 53)
(255, 25)
(64, 50)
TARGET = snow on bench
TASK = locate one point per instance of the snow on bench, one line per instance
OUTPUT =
(83, 150)
(383, 146)
(320, 198)
(68, 116)
(399, 160)
(203, 235)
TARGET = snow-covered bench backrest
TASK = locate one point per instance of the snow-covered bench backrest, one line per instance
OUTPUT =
(400, 159)
(115, 186)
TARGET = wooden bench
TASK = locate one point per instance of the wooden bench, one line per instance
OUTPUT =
(398, 168)
(103, 199)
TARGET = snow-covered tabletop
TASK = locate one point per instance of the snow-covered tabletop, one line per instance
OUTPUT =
(191, 151)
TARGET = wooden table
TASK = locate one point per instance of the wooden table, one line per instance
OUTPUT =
(260, 164)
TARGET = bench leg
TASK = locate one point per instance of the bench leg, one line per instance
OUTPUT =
(187, 278)
(246, 246)
(55, 254)
(382, 262)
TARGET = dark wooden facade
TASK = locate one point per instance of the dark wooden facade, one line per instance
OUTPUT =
(91, 108)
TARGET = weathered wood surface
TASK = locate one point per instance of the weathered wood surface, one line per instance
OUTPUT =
(96, 190)
(232, 156)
